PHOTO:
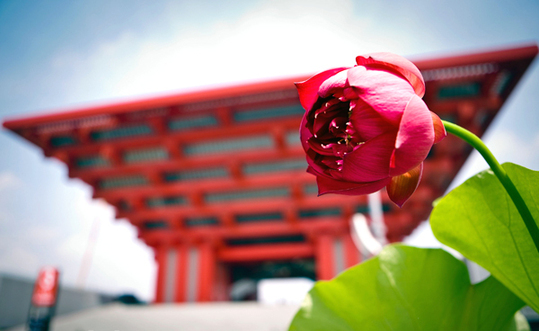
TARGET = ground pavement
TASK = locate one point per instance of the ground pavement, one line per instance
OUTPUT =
(189, 317)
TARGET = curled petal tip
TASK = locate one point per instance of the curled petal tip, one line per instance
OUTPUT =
(439, 128)
(400, 188)
(321, 193)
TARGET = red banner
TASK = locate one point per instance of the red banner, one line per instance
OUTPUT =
(46, 287)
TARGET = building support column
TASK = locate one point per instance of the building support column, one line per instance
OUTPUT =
(222, 282)
(324, 257)
(352, 254)
(181, 273)
(207, 269)
(339, 255)
(171, 274)
(161, 259)
(177, 273)
(334, 254)
(193, 262)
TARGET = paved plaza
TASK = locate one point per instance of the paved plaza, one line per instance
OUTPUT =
(185, 317)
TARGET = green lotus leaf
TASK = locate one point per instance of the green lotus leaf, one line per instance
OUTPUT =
(479, 220)
(408, 288)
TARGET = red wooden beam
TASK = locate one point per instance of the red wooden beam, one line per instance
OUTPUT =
(191, 163)
(163, 102)
(310, 228)
(213, 185)
(265, 252)
(189, 136)
(254, 206)
(498, 55)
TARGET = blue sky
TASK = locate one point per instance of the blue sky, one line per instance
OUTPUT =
(66, 54)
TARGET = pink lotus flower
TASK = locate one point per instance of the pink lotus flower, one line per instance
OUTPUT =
(366, 127)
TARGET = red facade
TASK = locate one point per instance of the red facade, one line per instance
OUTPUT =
(215, 180)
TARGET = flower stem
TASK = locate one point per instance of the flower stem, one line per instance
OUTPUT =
(478, 144)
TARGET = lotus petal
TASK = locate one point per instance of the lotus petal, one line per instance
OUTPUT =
(308, 90)
(415, 137)
(401, 187)
(398, 63)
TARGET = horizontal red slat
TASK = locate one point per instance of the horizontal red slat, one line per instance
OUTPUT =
(186, 137)
(496, 55)
(244, 207)
(265, 252)
(209, 185)
(191, 163)
(330, 225)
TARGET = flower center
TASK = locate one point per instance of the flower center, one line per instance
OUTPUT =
(333, 134)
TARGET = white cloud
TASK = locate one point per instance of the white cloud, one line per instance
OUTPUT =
(8, 181)
(122, 263)
(71, 249)
(41, 233)
(273, 39)
(114, 259)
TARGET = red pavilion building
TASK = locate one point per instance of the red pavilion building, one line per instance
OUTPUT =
(215, 180)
